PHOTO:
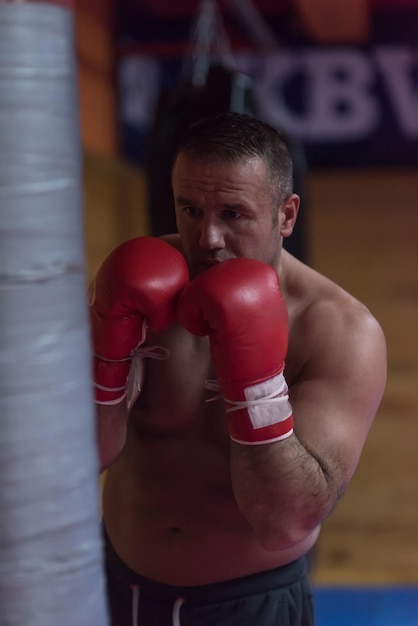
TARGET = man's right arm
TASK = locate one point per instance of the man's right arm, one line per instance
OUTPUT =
(136, 288)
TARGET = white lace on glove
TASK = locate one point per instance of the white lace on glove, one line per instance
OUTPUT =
(132, 388)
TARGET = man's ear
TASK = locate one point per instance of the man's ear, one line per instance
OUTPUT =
(288, 214)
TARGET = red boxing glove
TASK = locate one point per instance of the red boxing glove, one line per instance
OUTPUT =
(136, 288)
(238, 303)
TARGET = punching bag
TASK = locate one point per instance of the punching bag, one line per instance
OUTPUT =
(209, 84)
(50, 540)
(224, 90)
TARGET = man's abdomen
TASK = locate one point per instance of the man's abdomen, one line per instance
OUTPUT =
(170, 514)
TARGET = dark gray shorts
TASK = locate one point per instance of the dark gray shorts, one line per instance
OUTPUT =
(279, 597)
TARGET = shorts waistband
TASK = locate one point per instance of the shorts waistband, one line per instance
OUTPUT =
(252, 584)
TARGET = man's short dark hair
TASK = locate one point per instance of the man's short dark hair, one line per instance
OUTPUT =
(231, 137)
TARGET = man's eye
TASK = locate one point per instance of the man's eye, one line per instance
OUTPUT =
(231, 215)
(192, 211)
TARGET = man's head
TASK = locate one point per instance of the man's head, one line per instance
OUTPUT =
(232, 183)
(233, 137)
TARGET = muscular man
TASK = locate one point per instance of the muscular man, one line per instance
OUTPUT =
(251, 391)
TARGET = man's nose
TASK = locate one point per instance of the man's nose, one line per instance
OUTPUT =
(211, 234)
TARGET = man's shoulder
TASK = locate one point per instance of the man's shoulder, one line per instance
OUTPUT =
(312, 293)
(336, 310)
(325, 317)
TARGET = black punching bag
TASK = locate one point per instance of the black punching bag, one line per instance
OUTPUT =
(224, 90)
(206, 87)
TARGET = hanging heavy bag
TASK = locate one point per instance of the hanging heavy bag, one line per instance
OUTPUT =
(225, 90)
(209, 83)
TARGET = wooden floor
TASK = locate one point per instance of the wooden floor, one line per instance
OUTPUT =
(363, 233)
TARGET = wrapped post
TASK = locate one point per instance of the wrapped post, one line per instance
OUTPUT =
(50, 540)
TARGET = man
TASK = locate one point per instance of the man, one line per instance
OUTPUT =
(250, 397)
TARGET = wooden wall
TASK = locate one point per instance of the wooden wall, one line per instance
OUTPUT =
(115, 204)
(97, 76)
(363, 231)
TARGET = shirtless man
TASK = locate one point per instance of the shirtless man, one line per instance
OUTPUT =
(259, 381)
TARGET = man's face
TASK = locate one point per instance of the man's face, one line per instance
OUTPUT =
(223, 211)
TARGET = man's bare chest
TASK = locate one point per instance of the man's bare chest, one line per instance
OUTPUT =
(176, 394)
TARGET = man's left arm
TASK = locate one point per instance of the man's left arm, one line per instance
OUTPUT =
(292, 452)
(287, 488)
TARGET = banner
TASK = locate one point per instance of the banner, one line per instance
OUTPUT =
(350, 106)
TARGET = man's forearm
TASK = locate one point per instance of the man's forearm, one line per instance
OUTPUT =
(281, 489)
